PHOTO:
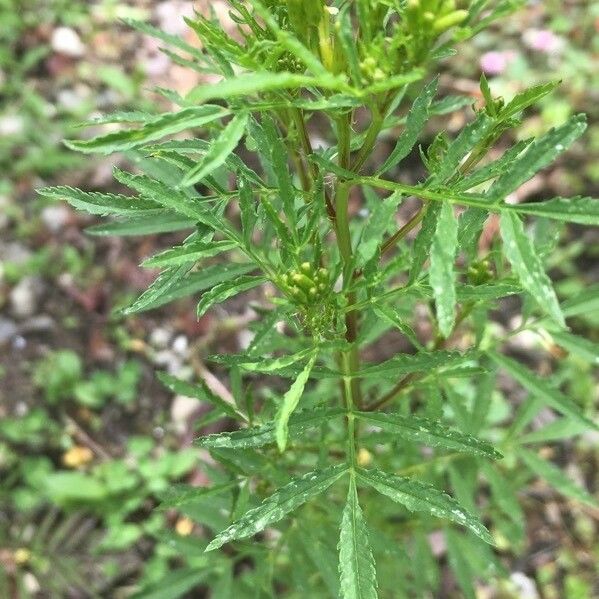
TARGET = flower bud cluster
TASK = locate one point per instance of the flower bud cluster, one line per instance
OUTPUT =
(480, 272)
(309, 288)
(307, 285)
(437, 15)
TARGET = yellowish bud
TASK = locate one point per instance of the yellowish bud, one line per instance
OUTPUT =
(77, 456)
(184, 527)
(364, 457)
(22, 556)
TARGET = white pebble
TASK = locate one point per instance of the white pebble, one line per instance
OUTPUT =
(55, 217)
(66, 41)
(180, 345)
(25, 296)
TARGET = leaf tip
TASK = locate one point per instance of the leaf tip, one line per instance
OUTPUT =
(72, 144)
(214, 544)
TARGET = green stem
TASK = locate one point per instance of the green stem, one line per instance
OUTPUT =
(342, 231)
(350, 360)
(369, 141)
(297, 116)
(401, 233)
(372, 134)
(300, 125)
(343, 139)
(351, 317)
(349, 404)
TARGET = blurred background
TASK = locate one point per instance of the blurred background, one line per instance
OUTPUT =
(88, 438)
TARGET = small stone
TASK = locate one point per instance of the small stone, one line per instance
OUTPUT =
(160, 337)
(11, 124)
(69, 99)
(169, 360)
(21, 409)
(16, 253)
(41, 323)
(55, 217)
(25, 297)
(66, 41)
(8, 329)
(525, 587)
(19, 343)
(181, 345)
(182, 409)
(32, 586)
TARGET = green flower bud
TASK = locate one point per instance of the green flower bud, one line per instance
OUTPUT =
(302, 281)
(447, 6)
(299, 295)
(322, 275)
(450, 20)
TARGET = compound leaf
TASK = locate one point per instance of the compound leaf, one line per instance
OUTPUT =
(442, 274)
(429, 432)
(416, 119)
(521, 253)
(421, 497)
(102, 204)
(581, 210)
(376, 226)
(356, 562)
(259, 436)
(556, 478)
(539, 388)
(290, 401)
(279, 504)
(188, 252)
(227, 289)
(539, 154)
(219, 150)
(252, 83)
(151, 130)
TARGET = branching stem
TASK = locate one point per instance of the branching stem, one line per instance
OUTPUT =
(350, 360)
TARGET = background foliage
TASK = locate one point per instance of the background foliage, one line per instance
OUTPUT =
(88, 442)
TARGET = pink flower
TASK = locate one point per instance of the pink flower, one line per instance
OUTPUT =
(495, 63)
(543, 40)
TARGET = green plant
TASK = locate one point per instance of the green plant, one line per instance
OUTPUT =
(62, 527)
(33, 120)
(346, 282)
(48, 556)
(31, 141)
(60, 376)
